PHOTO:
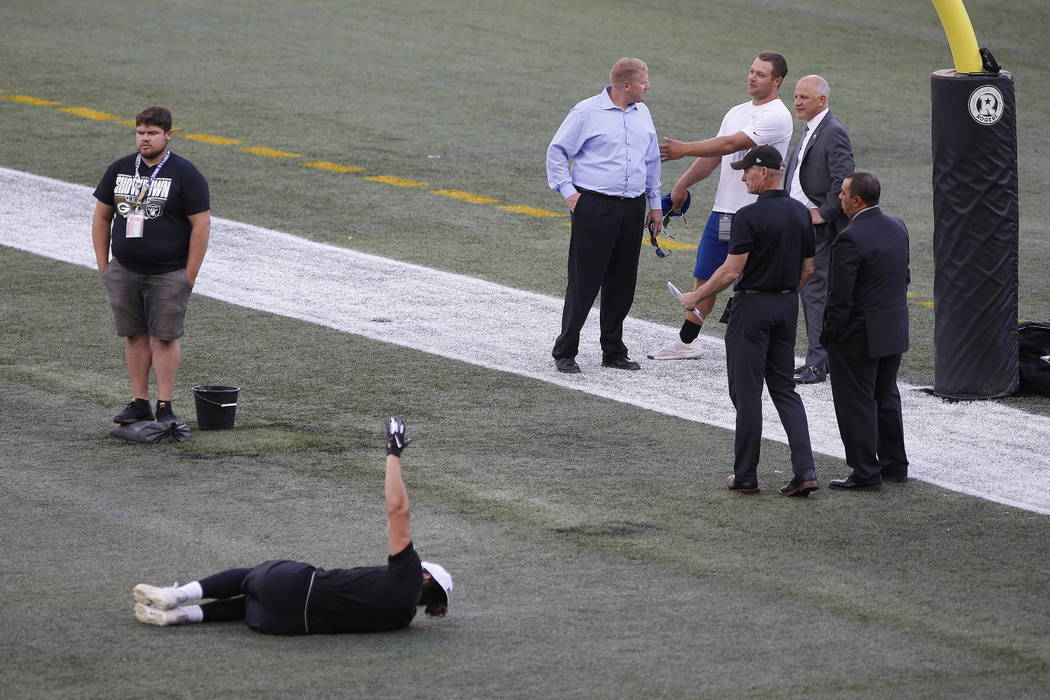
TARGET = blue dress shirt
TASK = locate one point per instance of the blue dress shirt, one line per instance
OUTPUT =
(613, 151)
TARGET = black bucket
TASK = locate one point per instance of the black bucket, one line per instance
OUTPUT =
(216, 406)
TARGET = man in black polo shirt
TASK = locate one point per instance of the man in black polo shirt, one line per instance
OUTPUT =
(771, 250)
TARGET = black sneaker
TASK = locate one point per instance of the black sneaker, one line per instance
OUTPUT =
(164, 413)
(136, 410)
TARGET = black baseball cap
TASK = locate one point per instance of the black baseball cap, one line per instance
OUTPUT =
(765, 156)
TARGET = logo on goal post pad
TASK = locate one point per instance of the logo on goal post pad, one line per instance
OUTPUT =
(986, 105)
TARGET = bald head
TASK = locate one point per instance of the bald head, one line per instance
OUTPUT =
(811, 97)
(816, 83)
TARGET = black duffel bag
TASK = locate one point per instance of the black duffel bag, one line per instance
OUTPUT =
(149, 431)
(1034, 342)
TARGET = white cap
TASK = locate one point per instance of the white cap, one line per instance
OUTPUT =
(441, 575)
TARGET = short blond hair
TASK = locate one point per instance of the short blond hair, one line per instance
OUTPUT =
(627, 70)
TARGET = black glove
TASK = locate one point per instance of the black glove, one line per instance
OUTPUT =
(395, 437)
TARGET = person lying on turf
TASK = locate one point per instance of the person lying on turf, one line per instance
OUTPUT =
(289, 597)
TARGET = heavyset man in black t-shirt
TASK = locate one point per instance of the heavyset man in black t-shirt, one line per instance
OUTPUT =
(291, 597)
(771, 249)
(153, 208)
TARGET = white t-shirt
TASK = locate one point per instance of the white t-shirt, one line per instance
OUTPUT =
(768, 123)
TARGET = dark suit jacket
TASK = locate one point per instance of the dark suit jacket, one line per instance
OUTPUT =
(825, 164)
(868, 285)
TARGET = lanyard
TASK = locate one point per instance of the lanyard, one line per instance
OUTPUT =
(141, 192)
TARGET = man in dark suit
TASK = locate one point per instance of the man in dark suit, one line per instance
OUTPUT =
(865, 333)
(822, 157)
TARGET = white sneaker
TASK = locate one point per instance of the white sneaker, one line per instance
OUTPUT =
(160, 598)
(163, 618)
(677, 350)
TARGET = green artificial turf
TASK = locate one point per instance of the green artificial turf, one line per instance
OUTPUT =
(594, 553)
(601, 560)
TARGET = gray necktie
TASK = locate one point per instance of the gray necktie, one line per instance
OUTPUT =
(801, 140)
(796, 157)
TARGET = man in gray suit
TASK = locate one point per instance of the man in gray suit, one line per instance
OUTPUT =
(865, 333)
(822, 157)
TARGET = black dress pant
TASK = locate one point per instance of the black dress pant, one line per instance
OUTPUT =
(868, 409)
(603, 255)
(760, 348)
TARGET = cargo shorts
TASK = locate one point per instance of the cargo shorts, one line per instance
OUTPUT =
(154, 304)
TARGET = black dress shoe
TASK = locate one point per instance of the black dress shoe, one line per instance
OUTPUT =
(800, 486)
(566, 365)
(848, 484)
(896, 478)
(746, 489)
(621, 362)
(810, 375)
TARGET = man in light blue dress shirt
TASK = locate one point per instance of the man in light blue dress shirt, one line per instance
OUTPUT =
(611, 143)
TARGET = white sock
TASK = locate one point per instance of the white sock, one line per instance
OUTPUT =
(190, 592)
(192, 613)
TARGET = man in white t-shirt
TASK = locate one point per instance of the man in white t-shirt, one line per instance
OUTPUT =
(763, 120)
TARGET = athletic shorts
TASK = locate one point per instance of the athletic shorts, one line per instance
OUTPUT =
(154, 304)
(711, 252)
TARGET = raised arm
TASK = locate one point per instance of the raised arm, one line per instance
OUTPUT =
(396, 495)
(711, 148)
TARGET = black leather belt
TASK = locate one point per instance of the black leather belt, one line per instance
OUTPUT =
(609, 196)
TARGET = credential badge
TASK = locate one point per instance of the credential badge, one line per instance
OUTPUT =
(986, 105)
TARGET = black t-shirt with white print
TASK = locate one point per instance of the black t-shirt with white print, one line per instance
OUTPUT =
(178, 191)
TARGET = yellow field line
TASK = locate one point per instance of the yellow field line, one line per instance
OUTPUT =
(398, 181)
(533, 211)
(214, 140)
(89, 113)
(671, 243)
(26, 99)
(465, 196)
(332, 167)
(270, 152)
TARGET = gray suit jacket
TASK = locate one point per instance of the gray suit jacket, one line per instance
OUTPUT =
(825, 164)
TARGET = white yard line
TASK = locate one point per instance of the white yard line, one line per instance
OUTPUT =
(979, 448)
